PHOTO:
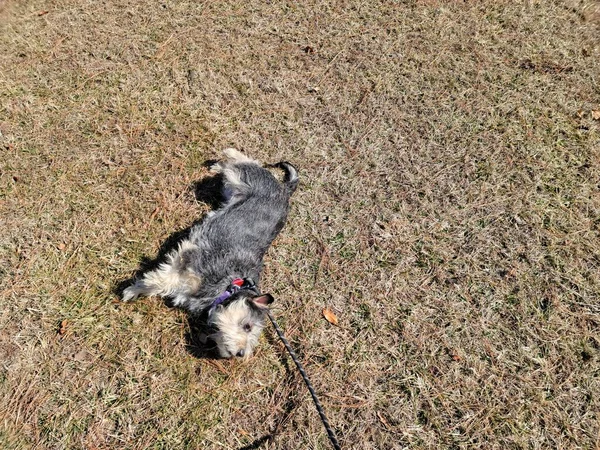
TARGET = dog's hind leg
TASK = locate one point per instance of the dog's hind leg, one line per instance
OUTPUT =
(236, 156)
(233, 156)
(173, 278)
(234, 187)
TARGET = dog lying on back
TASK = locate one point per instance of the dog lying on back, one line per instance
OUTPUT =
(215, 271)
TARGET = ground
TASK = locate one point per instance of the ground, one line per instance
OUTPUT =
(448, 214)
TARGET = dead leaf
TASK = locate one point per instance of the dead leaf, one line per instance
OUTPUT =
(61, 246)
(596, 115)
(154, 213)
(330, 316)
(383, 420)
(151, 217)
(63, 327)
(43, 13)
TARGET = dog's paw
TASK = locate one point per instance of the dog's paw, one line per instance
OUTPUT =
(216, 168)
(130, 294)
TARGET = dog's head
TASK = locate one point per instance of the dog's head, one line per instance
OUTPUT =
(237, 323)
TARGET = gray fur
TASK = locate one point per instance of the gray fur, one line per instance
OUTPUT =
(233, 241)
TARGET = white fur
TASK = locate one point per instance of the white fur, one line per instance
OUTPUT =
(238, 156)
(167, 280)
(232, 337)
(228, 168)
(233, 178)
(231, 174)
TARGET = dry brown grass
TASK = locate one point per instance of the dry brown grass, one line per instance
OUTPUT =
(448, 213)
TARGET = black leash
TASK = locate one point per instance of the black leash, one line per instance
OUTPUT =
(330, 432)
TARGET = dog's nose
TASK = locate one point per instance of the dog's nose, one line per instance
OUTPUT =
(241, 353)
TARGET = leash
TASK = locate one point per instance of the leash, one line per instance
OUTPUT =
(320, 410)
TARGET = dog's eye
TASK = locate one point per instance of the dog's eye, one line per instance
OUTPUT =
(247, 327)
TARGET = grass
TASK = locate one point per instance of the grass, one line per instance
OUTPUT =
(448, 213)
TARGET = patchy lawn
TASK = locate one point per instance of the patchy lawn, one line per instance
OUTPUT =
(448, 213)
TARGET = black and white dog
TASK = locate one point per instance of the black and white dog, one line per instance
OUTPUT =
(216, 270)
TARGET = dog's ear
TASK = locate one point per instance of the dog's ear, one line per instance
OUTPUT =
(263, 301)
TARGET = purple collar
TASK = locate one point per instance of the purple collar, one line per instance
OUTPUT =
(235, 286)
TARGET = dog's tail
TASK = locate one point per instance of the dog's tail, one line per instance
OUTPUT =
(290, 179)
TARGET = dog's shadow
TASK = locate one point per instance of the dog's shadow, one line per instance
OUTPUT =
(208, 190)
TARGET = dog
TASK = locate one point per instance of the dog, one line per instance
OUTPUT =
(215, 272)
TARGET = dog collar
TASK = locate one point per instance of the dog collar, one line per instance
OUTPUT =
(236, 285)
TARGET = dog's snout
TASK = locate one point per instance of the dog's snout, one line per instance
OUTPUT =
(241, 353)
